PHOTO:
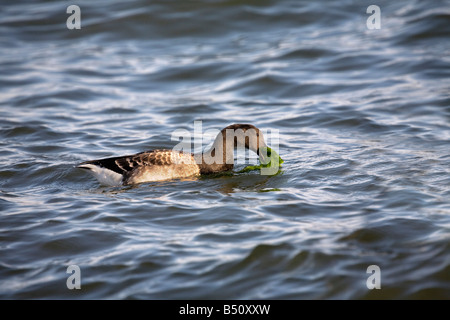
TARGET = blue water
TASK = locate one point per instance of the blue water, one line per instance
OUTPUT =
(364, 132)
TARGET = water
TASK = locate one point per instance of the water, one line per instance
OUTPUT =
(363, 117)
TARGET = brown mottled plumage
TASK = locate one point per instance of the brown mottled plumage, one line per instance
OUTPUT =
(156, 165)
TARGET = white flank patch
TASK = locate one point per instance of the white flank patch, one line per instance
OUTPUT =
(104, 176)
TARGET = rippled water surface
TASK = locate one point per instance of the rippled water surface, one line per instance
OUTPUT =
(363, 121)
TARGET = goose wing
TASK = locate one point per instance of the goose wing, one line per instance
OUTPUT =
(125, 164)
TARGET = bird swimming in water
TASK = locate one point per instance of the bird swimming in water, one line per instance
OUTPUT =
(165, 164)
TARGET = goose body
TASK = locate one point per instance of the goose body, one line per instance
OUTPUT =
(166, 164)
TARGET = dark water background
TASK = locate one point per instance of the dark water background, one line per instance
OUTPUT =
(363, 117)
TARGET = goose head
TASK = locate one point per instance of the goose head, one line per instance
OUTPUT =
(244, 136)
(221, 155)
